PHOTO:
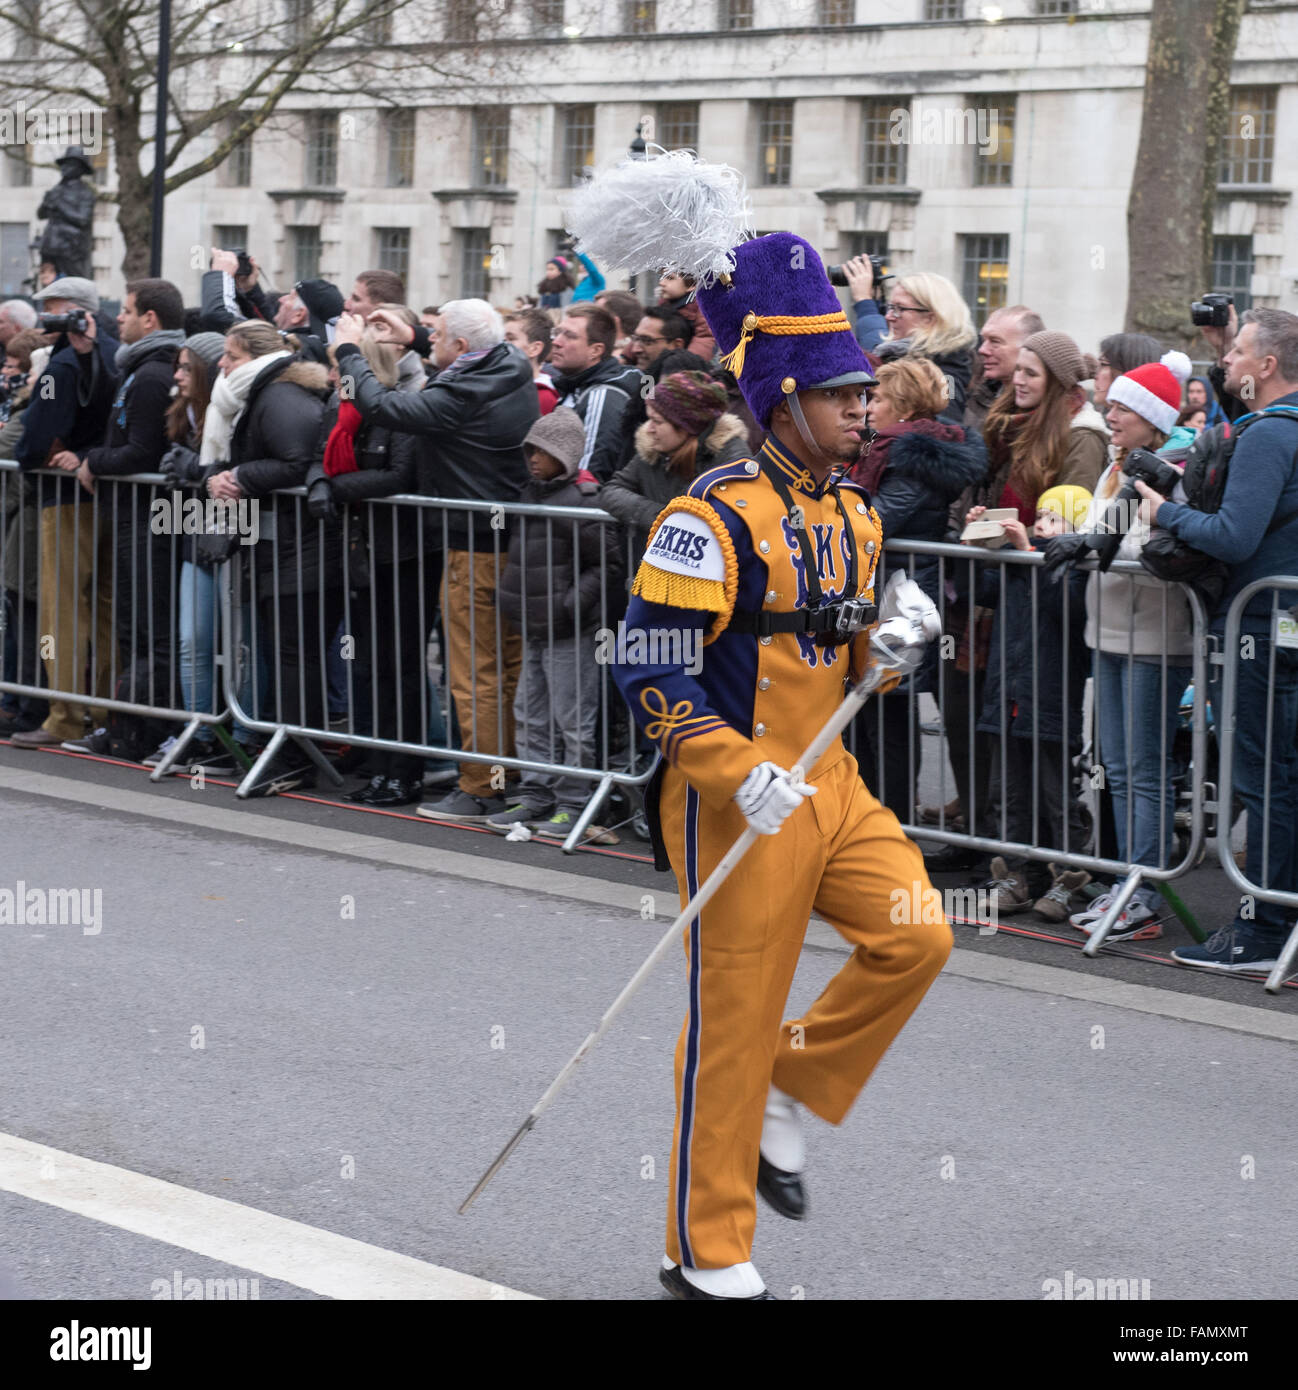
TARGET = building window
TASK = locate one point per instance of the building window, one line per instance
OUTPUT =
(236, 170)
(304, 247)
(27, 37)
(852, 244)
(834, 12)
(228, 237)
(490, 146)
(392, 246)
(322, 149)
(100, 163)
(985, 274)
(475, 263)
(885, 157)
(775, 143)
(678, 125)
(378, 27)
(943, 9)
(578, 143)
(735, 14)
(1232, 269)
(547, 16)
(18, 173)
(1249, 143)
(461, 21)
(993, 155)
(297, 20)
(400, 132)
(640, 16)
(1051, 7)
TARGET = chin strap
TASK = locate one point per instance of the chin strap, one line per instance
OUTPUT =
(800, 421)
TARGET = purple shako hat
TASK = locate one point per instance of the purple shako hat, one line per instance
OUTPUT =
(779, 323)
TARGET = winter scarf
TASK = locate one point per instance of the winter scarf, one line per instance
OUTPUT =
(869, 470)
(130, 355)
(229, 398)
(340, 447)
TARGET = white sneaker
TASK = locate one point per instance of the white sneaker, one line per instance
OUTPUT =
(163, 749)
(1086, 919)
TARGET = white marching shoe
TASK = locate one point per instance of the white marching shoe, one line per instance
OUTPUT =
(782, 1157)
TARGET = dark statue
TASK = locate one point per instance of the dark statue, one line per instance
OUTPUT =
(70, 207)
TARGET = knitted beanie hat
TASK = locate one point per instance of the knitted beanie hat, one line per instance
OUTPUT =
(323, 301)
(1154, 390)
(207, 347)
(562, 435)
(689, 400)
(1067, 500)
(1063, 359)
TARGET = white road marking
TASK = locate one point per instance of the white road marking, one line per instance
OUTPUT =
(290, 1251)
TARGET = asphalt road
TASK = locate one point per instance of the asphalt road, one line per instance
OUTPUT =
(338, 1018)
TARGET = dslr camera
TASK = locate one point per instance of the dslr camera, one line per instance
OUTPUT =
(1212, 311)
(75, 322)
(245, 265)
(1151, 470)
(838, 276)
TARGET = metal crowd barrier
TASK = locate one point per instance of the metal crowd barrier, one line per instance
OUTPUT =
(960, 695)
(284, 620)
(93, 592)
(1282, 626)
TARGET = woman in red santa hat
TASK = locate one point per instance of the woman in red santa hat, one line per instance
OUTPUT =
(1142, 634)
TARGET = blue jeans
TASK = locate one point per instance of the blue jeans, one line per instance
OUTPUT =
(198, 607)
(1277, 814)
(1137, 776)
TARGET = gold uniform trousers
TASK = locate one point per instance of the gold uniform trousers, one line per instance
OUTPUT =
(844, 856)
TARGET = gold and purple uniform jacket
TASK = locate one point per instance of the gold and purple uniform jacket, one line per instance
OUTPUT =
(726, 545)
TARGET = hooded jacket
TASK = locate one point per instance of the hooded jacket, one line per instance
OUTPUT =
(273, 446)
(600, 396)
(637, 493)
(472, 422)
(552, 586)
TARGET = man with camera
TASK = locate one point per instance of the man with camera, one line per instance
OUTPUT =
(1214, 315)
(66, 417)
(1255, 532)
(231, 292)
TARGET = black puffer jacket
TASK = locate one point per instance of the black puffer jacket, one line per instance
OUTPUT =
(385, 466)
(272, 447)
(472, 424)
(956, 366)
(552, 576)
(637, 493)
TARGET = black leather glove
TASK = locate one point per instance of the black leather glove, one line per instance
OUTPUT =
(320, 500)
(1061, 551)
(181, 465)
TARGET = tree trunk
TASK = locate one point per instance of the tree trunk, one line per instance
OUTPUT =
(1174, 185)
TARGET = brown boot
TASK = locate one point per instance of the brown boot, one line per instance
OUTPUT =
(1007, 892)
(1053, 905)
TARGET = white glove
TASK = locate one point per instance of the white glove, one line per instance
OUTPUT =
(903, 598)
(769, 796)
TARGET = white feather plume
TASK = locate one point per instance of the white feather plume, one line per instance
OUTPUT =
(669, 211)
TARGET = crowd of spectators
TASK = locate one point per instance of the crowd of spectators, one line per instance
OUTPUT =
(584, 396)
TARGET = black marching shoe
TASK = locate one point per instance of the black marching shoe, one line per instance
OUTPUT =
(782, 1191)
(392, 791)
(680, 1287)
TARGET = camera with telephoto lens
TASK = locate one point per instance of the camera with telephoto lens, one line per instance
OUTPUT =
(1212, 311)
(75, 322)
(245, 264)
(838, 276)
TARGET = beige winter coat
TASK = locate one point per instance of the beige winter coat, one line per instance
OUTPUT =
(1135, 614)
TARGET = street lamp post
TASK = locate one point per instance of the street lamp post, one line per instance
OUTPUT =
(637, 151)
(160, 138)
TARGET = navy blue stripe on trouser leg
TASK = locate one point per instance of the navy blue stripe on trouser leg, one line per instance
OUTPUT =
(690, 1078)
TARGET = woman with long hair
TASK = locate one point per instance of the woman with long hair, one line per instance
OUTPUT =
(1041, 432)
(927, 318)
